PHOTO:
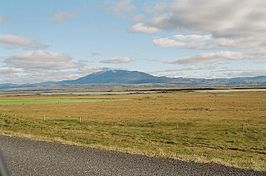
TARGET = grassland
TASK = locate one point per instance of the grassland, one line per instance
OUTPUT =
(227, 128)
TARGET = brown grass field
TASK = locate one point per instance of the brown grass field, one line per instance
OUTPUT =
(226, 128)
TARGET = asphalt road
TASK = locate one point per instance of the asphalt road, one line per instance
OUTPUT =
(28, 157)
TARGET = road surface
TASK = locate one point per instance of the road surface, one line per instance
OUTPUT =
(35, 158)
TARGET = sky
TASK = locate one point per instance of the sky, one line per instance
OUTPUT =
(53, 40)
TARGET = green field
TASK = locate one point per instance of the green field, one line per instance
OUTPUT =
(27, 101)
(225, 128)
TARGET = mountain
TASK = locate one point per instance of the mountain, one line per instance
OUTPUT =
(130, 79)
(259, 80)
(7, 85)
(136, 77)
(118, 77)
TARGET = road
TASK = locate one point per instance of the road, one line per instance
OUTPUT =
(27, 157)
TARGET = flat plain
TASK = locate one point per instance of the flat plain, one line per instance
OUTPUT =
(225, 128)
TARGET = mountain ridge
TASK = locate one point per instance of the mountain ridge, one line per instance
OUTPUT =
(130, 78)
(119, 77)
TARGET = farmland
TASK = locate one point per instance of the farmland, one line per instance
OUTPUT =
(226, 128)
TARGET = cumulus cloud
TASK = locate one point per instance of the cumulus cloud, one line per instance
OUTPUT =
(227, 30)
(222, 18)
(63, 16)
(141, 27)
(4, 20)
(41, 60)
(121, 7)
(208, 57)
(15, 41)
(40, 65)
(207, 41)
(188, 41)
(117, 60)
(238, 18)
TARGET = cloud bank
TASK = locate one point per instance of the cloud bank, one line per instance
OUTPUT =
(219, 27)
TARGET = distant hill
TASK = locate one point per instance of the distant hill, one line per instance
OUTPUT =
(125, 78)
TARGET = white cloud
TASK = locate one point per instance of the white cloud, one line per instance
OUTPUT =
(205, 41)
(117, 60)
(220, 17)
(4, 20)
(188, 41)
(40, 65)
(15, 41)
(41, 60)
(141, 27)
(208, 57)
(8, 74)
(43, 76)
(258, 55)
(238, 23)
(63, 16)
(220, 27)
(249, 47)
(166, 42)
(10, 70)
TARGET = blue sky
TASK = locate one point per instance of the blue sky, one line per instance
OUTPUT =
(57, 40)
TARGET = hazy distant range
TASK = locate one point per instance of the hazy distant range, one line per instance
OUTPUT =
(135, 79)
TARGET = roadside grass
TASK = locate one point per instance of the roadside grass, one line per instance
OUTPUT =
(226, 128)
